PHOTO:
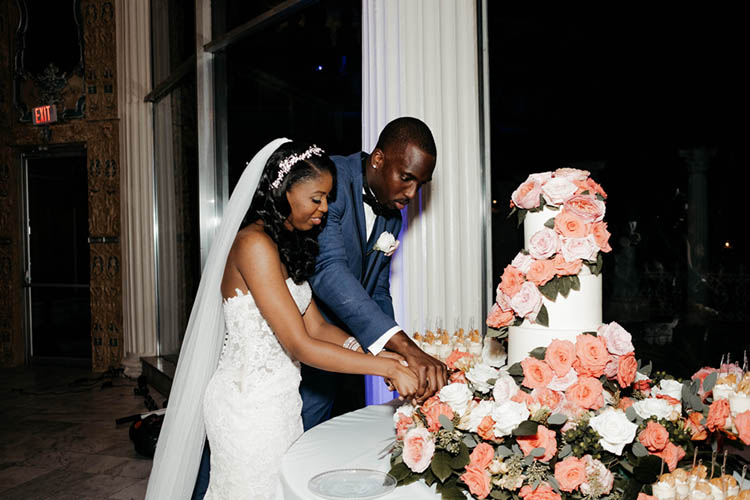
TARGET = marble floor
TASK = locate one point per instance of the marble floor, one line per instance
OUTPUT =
(58, 437)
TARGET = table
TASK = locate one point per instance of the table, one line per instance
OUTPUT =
(353, 440)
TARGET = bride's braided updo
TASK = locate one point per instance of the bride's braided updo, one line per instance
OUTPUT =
(291, 163)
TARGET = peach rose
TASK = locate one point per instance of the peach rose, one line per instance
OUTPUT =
(542, 492)
(403, 425)
(511, 281)
(654, 436)
(626, 368)
(595, 188)
(433, 415)
(568, 224)
(586, 207)
(523, 397)
(544, 244)
(671, 454)
(478, 481)
(544, 438)
(701, 375)
(430, 402)
(536, 373)
(565, 268)
(455, 357)
(419, 447)
(601, 236)
(591, 355)
(625, 403)
(643, 496)
(697, 430)
(547, 397)
(572, 174)
(717, 415)
(482, 456)
(570, 473)
(541, 271)
(457, 377)
(560, 355)
(586, 393)
(526, 196)
(742, 423)
(485, 429)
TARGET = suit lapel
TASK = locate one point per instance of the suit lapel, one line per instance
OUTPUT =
(359, 210)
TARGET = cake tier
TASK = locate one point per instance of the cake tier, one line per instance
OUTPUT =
(534, 221)
(522, 340)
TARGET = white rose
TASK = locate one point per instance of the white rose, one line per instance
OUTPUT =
(476, 414)
(505, 388)
(543, 244)
(387, 243)
(493, 352)
(671, 388)
(561, 384)
(573, 174)
(579, 248)
(522, 262)
(528, 301)
(406, 410)
(739, 403)
(540, 177)
(558, 190)
(618, 340)
(615, 429)
(457, 396)
(507, 416)
(479, 376)
(653, 407)
(722, 391)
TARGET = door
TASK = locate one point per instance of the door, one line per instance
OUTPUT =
(57, 256)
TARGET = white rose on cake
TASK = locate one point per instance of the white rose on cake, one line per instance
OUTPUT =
(457, 396)
(558, 190)
(544, 244)
(386, 243)
(480, 376)
(508, 416)
(615, 429)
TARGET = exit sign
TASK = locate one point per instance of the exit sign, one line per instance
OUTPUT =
(43, 115)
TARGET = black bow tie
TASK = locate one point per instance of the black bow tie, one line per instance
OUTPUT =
(369, 197)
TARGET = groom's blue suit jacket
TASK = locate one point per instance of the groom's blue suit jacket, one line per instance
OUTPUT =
(351, 281)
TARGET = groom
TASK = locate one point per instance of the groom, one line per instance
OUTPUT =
(352, 274)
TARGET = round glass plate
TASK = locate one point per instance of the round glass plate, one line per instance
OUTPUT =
(359, 484)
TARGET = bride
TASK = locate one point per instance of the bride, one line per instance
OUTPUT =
(252, 324)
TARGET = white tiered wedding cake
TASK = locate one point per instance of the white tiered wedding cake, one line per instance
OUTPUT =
(553, 288)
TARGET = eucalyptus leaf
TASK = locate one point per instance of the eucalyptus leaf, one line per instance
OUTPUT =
(446, 423)
(538, 353)
(551, 480)
(526, 428)
(441, 465)
(557, 419)
(503, 451)
(542, 317)
(565, 451)
(528, 460)
(516, 449)
(710, 381)
(499, 333)
(639, 450)
(469, 440)
(631, 414)
(646, 370)
(538, 452)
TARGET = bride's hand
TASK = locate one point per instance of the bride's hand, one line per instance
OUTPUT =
(397, 357)
(403, 380)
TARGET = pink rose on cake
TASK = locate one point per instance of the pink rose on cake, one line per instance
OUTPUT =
(543, 244)
(560, 355)
(562, 383)
(536, 373)
(601, 236)
(558, 190)
(511, 281)
(522, 262)
(419, 446)
(586, 207)
(591, 356)
(545, 397)
(526, 196)
(617, 339)
(587, 393)
(572, 174)
(541, 271)
(499, 318)
(579, 248)
(565, 268)
(571, 225)
(528, 301)
(591, 186)
(544, 438)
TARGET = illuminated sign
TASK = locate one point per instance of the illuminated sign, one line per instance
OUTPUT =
(43, 115)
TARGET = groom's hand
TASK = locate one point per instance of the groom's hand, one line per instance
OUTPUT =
(433, 374)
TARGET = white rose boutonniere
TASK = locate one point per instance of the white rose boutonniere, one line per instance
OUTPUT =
(387, 243)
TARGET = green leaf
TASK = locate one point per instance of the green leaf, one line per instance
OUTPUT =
(565, 451)
(441, 465)
(564, 286)
(542, 317)
(469, 441)
(538, 353)
(551, 480)
(576, 283)
(600, 197)
(710, 381)
(639, 450)
(528, 460)
(515, 370)
(631, 414)
(550, 223)
(512, 211)
(557, 419)
(646, 370)
(499, 333)
(549, 290)
(451, 493)
(538, 452)
(599, 264)
(516, 449)
(521, 217)
(462, 459)
(446, 423)
(503, 451)
(499, 494)
(593, 334)
(647, 469)
(526, 428)
(400, 471)
(517, 322)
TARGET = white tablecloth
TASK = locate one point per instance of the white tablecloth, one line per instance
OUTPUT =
(354, 440)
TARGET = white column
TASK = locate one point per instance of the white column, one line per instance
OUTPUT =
(136, 180)
(420, 58)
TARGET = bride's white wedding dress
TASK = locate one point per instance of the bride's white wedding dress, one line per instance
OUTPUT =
(252, 407)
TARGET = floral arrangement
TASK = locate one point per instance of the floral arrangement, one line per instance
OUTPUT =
(550, 266)
(574, 420)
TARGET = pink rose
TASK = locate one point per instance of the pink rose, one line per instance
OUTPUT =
(643, 496)
(654, 436)
(601, 236)
(403, 425)
(544, 438)
(419, 447)
(565, 268)
(701, 375)
(578, 248)
(671, 454)
(542, 492)
(717, 415)
(433, 415)
(547, 397)
(611, 369)
(572, 174)
(482, 456)
(536, 373)
(591, 355)
(558, 190)
(527, 302)
(478, 481)
(560, 355)
(485, 429)
(627, 366)
(562, 383)
(522, 261)
(511, 281)
(617, 339)
(742, 423)
(540, 272)
(499, 318)
(586, 207)
(571, 226)
(526, 196)
(586, 393)
(543, 244)
(570, 473)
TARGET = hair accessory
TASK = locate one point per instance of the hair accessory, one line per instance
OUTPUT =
(286, 165)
